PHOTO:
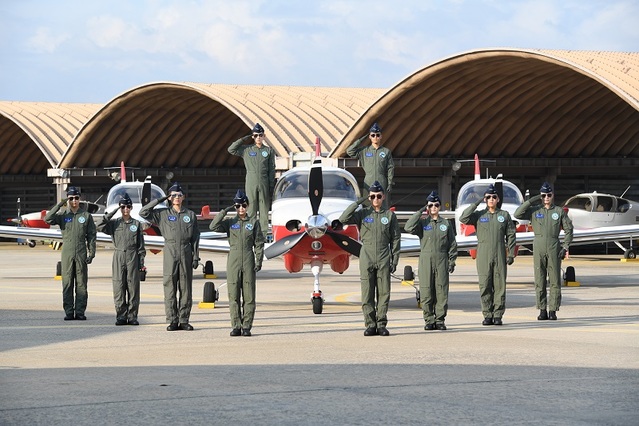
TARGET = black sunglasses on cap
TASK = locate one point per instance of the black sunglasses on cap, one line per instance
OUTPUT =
(244, 205)
(74, 197)
(378, 196)
(255, 135)
(548, 195)
(491, 197)
(433, 205)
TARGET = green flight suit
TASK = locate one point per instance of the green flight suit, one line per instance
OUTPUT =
(260, 177)
(380, 236)
(547, 223)
(377, 164)
(495, 236)
(181, 247)
(78, 248)
(438, 250)
(128, 258)
(246, 243)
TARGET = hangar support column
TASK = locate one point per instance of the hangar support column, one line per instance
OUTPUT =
(60, 180)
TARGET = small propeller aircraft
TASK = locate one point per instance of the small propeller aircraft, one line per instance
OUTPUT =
(306, 204)
(594, 210)
(510, 198)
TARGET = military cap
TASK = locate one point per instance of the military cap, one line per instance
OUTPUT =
(490, 190)
(257, 128)
(125, 200)
(72, 190)
(433, 197)
(176, 188)
(376, 187)
(545, 188)
(240, 197)
(375, 128)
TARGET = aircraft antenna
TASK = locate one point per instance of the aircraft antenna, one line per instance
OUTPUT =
(624, 193)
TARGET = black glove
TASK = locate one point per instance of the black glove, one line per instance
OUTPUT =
(166, 197)
(562, 253)
(89, 259)
(196, 263)
(451, 268)
(258, 268)
(393, 268)
(510, 260)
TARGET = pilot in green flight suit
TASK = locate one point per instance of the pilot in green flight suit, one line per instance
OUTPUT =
(437, 258)
(547, 221)
(246, 243)
(380, 236)
(128, 260)
(179, 228)
(78, 250)
(376, 160)
(259, 161)
(495, 237)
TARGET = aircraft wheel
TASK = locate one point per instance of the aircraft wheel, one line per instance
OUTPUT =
(318, 305)
(58, 269)
(210, 295)
(630, 254)
(31, 243)
(409, 275)
(208, 268)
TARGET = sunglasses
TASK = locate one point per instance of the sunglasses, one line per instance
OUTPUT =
(74, 197)
(491, 197)
(125, 207)
(258, 135)
(376, 135)
(378, 196)
(433, 205)
(243, 205)
(176, 196)
(549, 195)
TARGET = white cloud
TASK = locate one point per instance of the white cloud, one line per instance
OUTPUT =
(44, 40)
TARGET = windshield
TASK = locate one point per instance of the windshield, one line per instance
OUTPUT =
(475, 192)
(134, 191)
(295, 185)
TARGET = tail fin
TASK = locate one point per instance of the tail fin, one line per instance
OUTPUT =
(122, 172)
(477, 173)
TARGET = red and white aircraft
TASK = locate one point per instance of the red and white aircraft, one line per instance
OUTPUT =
(307, 202)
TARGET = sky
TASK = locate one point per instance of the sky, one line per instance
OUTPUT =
(90, 51)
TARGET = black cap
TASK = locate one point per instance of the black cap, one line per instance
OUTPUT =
(240, 197)
(545, 188)
(433, 197)
(375, 128)
(72, 190)
(257, 128)
(176, 188)
(490, 190)
(376, 187)
(125, 200)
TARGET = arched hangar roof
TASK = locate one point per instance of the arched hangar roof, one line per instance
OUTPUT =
(168, 124)
(511, 103)
(36, 134)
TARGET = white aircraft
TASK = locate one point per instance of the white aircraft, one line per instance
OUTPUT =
(594, 210)
(510, 198)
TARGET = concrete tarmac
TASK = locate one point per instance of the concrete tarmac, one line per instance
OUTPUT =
(301, 368)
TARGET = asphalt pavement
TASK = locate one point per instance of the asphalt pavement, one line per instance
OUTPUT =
(301, 368)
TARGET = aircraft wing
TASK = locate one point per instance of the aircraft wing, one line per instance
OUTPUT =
(410, 243)
(150, 241)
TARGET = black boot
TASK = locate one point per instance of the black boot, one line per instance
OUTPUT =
(543, 315)
(552, 316)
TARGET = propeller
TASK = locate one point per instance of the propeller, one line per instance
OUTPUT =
(317, 225)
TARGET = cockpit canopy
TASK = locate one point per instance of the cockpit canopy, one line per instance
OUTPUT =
(337, 184)
(474, 191)
(134, 189)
